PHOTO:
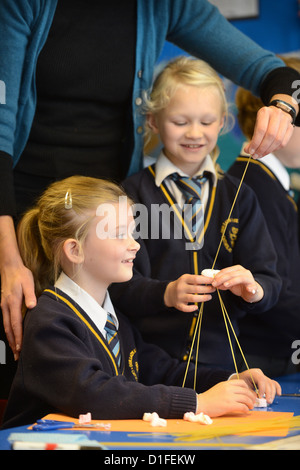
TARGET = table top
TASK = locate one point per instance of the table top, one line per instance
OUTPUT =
(134, 435)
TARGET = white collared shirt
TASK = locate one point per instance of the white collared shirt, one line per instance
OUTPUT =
(164, 168)
(279, 170)
(96, 312)
(275, 165)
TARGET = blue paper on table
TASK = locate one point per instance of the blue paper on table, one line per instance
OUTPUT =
(54, 438)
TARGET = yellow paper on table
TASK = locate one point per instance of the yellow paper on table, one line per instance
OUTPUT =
(255, 423)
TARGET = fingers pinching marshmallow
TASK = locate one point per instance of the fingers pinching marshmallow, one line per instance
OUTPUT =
(260, 403)
(210, 272)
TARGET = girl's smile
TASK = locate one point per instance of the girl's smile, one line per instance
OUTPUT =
(189, 125)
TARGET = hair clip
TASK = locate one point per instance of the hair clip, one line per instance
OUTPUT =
(68, 200)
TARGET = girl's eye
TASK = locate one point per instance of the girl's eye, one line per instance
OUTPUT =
(121, 235)
(179, 123)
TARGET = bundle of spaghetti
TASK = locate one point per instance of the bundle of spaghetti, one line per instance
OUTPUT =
(243, 427)
(227, 321)
(197, 330)
(225, 314)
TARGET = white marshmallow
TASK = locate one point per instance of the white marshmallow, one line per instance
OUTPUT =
(154, 419)
(260, 403)
(148, 416)
(85, 419)
(199, 418)
(210, 272)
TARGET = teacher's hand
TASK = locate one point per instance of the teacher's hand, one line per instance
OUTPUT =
(273, 129)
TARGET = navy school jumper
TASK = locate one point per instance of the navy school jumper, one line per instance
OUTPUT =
(66, 366)
(246, 242)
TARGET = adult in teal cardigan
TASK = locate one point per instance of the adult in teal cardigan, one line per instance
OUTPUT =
(70, 65)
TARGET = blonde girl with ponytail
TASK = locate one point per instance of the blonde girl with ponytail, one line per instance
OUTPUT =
(77, 241)
(64, 211)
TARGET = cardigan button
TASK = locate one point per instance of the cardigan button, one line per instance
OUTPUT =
(138, 101)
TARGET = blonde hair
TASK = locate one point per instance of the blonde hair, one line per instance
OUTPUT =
(179, 72)
(63, 211)
(248, 105)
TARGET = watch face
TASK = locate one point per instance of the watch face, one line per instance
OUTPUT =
(286, 107)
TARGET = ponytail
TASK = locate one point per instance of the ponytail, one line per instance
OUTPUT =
(32, 251)
(65, 210)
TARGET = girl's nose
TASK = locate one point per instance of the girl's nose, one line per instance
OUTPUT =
(194, 131)
(134, 245)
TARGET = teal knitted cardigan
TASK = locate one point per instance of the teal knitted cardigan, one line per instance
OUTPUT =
(194, 25)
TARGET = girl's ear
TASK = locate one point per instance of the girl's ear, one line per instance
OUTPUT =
(222, 123)
(151, 120)
(73, 251)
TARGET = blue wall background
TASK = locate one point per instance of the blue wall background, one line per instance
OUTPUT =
(277, 29)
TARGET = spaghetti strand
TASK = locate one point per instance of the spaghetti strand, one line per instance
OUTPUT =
(228, 333)
(199, 321)
(232, 207)
(198, 342)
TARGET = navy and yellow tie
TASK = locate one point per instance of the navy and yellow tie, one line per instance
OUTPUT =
(191, 189)
(112, 338)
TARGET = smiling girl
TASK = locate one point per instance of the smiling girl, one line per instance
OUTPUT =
(68, 364)
(187, 109)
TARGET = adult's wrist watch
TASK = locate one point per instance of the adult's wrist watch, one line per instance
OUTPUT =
(286, 107)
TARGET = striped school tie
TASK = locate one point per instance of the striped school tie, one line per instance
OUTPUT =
(191, 189)
(112, 338)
